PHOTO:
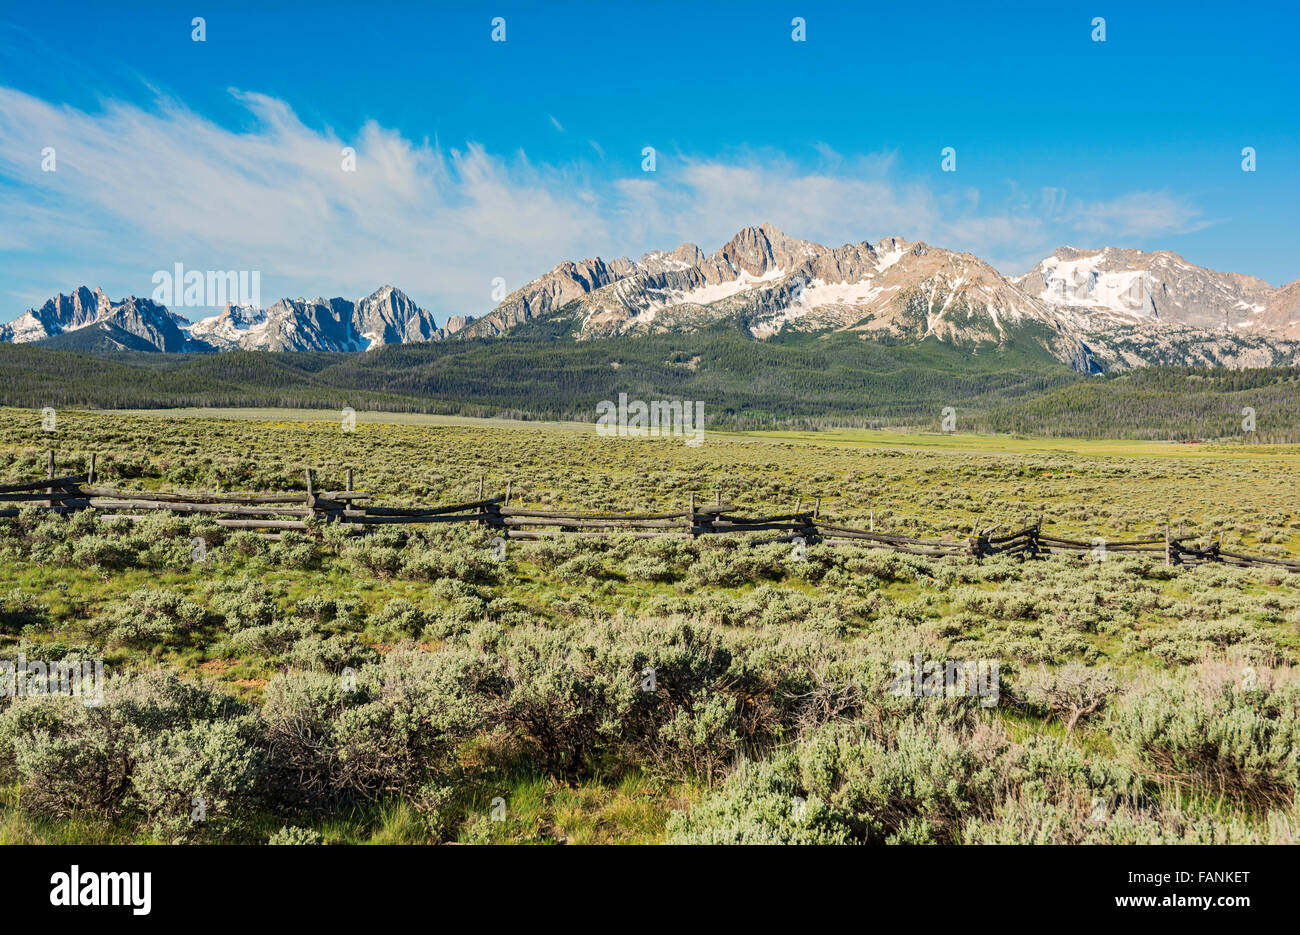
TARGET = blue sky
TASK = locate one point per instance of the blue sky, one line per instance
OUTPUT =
(479, 159)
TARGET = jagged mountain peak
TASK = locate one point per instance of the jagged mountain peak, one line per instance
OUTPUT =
(386, 316)
(141, 322)
(1126, 285)
(768, 282)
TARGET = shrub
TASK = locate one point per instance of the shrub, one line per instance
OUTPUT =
(401, 616)
(844, 785)
(1221, 733)
(195, 781)
(72, 758)
(243, 602)
(148, 616)
(19, 609)
(1071, 694)
(292, 834)
(395, 729)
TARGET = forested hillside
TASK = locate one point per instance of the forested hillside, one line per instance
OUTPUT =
(805, 381)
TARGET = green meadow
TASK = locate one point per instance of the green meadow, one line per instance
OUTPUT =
(322, 688)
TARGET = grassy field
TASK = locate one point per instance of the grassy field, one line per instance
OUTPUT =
(393, 690)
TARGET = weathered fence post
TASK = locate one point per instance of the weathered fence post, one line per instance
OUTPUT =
(311, 492)
(49, 472)
(690, 519)
(90, 474)
(494, 518)
(348, 481)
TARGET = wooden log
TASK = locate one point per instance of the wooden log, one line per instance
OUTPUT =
(780, 518)
(432, 510)
(40, 484)
(1285, 563)
(1006, 537)
(53, 509)
(758, 527)
(262, 524)
(514, 521)
(45, 498)
(533, 535)
(616, 517)
(1110, 545)
(162, 496)
(885, 538)
(369, 520)
(108, 504)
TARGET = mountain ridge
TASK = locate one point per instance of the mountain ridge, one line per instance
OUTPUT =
(1095, 310)
(88, 319)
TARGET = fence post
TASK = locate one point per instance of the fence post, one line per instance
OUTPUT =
(49, 472)
(311, 492)
(690, 522)
(90, 475)
(495, 520)
(349, 480)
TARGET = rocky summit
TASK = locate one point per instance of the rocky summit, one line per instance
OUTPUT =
(1095, 310)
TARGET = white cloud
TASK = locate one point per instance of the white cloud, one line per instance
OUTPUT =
(140, 189)
(1141, 214)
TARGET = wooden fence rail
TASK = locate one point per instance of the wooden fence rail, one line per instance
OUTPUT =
(272, 514)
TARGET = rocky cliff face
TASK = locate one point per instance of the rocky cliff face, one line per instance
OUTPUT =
(1280, 317)
(388, 316)
(769, 282)
(1090, 309)
(1121, 284)
(147, 321)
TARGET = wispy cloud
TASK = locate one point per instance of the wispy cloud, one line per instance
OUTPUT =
(138, 189)
(1141, 214)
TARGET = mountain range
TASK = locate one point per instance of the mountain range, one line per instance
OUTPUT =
(1100, 310)
(88, 320)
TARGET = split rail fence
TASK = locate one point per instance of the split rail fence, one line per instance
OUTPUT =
(272, 514)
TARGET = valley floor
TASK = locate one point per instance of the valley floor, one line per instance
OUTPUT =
(322, 688)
